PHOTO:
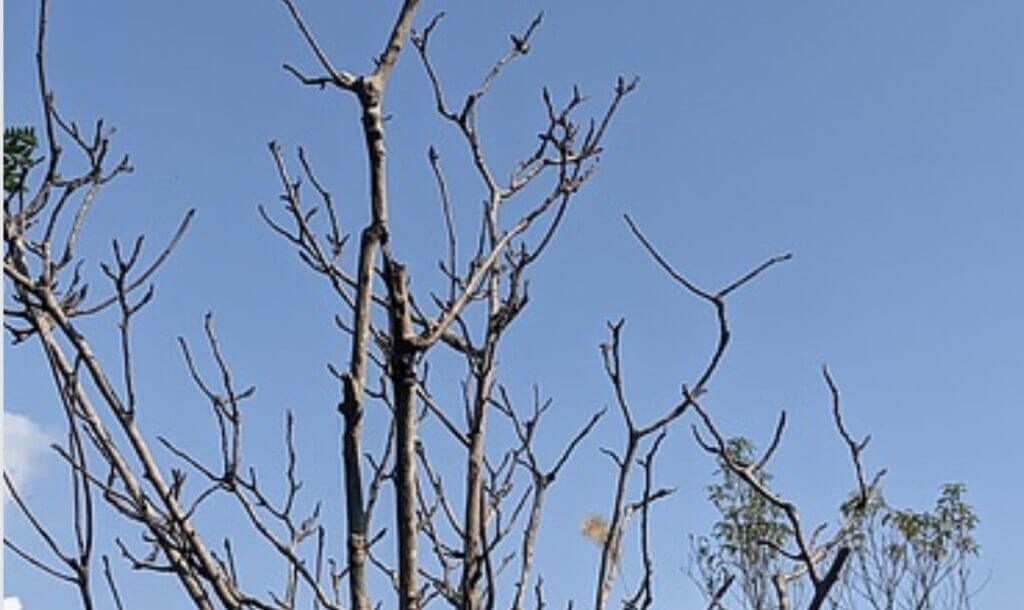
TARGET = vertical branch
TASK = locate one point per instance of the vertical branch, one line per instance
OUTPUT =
(473, 516)
(369, 90)
(352, 407)
(352, 411)
(644, 596)
(612, 543)
(403, 381)
(109, 575)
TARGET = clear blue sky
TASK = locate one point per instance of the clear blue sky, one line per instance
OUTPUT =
(882, 143)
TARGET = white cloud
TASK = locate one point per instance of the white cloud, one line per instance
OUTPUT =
(11, 603)
(25, 444)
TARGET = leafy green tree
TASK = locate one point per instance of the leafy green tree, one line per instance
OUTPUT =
(915, 560)
(737, 544)
(901, 559)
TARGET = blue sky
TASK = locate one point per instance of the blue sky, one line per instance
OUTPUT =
(882, 143)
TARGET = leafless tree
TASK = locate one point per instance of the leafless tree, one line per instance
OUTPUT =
(389, 330)
(471, 554)
(807, 553)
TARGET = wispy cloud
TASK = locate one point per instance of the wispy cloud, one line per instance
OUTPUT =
(12, 603)
(25, 444)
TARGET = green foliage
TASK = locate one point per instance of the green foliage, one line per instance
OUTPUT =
(737, 542)
(916, 559)
(747, 517)
(944, 531)
(902, 558)
(19, 145)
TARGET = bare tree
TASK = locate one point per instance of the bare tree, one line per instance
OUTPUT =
(389, 331)
(468, 545)
(746, 476)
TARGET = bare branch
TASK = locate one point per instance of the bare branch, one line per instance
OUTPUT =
(339, 77)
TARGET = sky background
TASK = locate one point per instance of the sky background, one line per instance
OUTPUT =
(881, 143)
